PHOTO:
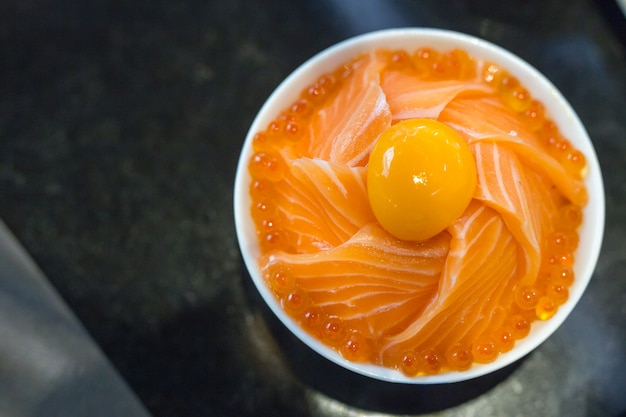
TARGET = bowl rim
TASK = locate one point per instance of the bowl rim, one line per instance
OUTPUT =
(559, 109)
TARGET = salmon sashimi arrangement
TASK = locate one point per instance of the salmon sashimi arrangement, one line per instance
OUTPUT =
(417, 210)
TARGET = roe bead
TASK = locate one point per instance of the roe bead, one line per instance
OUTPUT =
(425, 60)
(268, 225)
(534, 115)
(549, 134)
(333, 329)
(459, 358)
(409, 363)
(520, 326)
(492, 73)
(463, 66)
(505, 340)
(571, 216)
(399, 60)
(355, 347)
(558, 242)
(263, 142)
(484, 350)
(313, 317)
(295, 302)
(518, 98)
(259, 187)
(302, 108)
(293, 131)
(274, 239)
(526, 297)
(267, 166)
(321, 89)
(454, 64)
(563, 274)
(546, 308)
(429, 361)
(263, 210)
(513, 94)
(561, 259)
(557, 291)
(562, 146)
(282, 281)
(574, 163)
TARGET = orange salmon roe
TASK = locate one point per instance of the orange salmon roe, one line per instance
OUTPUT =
(485, 349)
(504, 340)
(355, 347)
(430, 362)
(459, 358)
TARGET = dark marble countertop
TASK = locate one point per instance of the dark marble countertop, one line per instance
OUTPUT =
(120, 127)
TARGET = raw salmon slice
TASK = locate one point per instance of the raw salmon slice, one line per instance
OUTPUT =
(345, 130)
(411, 97)
(373, 279)
(490, 120)
(324, 202)
(479, 267)
(502, 185)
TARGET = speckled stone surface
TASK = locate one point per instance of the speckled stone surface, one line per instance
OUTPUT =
(120, 127)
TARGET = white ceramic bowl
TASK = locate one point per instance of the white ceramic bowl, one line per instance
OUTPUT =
(410, 39)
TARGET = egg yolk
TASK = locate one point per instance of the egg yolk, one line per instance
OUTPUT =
(421, 177)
